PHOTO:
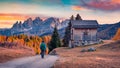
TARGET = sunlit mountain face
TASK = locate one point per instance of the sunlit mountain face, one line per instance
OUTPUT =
(8, 19)
(105, 11)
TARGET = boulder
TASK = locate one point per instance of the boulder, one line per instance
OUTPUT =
(91, 49)
(53, 52)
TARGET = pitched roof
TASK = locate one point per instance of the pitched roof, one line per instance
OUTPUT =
(85, 24)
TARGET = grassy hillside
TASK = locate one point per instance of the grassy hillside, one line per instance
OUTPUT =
(7, 54)
(107, 55)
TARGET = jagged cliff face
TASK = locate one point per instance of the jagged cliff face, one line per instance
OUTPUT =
(36, 27)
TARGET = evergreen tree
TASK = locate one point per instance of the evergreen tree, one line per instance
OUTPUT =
(67, 35)
(72, 17)
(55, 40)
(78, 17)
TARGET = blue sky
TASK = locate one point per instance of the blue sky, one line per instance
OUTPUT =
(104, 11)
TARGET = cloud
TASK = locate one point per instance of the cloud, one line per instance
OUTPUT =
(103, 5)
(9, 16)
(116, 1)
(106, 5)
(77, 8)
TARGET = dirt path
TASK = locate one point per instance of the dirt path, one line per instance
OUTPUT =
(31, 62)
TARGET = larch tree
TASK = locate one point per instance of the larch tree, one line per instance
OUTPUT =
(117, 35)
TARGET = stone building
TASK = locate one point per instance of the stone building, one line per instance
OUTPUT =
(83, 32)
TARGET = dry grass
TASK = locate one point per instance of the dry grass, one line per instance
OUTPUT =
(7, 54)
(102, 58)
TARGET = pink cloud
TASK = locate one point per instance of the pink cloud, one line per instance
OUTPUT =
(107, 5)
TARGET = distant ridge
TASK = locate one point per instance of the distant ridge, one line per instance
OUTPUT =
(107, 31)
(42, 28)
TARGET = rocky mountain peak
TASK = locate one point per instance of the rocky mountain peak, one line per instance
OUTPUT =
(17, 24)
(36, 26)
(28, 23)
(52, 20)
(37, 19)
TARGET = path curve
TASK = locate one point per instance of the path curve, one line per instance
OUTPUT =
(31, 62)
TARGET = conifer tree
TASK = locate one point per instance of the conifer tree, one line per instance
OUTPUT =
(67, 35)
(55, 40)
(72, 17)
(78, 17)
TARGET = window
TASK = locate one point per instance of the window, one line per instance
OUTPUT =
(85, 33)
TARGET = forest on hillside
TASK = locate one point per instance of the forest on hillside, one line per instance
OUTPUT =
(24, 40)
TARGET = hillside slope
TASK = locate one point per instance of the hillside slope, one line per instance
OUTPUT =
(107, 31)
(103, 57)
(117, 35)
(7, 54)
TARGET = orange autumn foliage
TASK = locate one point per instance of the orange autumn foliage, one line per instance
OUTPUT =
(2, 38)
(117, 35)
(30, 41)
(47, 39)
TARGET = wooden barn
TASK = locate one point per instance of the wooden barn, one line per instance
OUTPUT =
(83, 32)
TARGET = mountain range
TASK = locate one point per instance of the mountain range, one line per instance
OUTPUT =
(42, 28)
(107, 31)
(35, 27)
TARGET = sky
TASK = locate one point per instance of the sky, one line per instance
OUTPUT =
(104, 11)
